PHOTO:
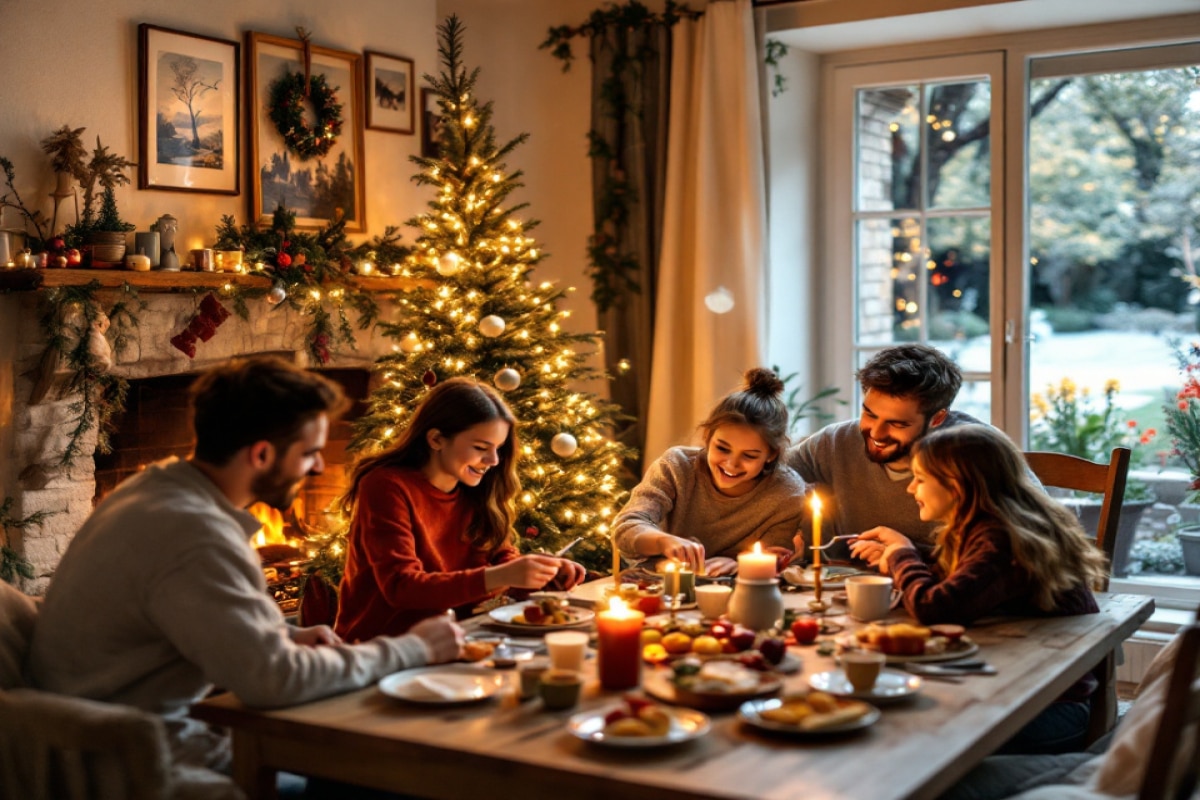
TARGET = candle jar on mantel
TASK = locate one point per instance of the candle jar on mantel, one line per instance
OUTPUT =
(757, 604)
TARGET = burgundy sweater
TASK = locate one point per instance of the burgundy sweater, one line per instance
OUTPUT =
(986, 582)
(407, 558)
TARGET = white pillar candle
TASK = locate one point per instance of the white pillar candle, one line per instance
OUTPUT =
(756, 565)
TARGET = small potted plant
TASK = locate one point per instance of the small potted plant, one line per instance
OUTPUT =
(1183, 423)
(107, 235)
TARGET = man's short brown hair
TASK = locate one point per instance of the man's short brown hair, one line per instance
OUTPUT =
(260, 398)
(919, 371)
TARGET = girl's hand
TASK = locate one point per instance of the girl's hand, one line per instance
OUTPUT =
(871, 544)
(718, 566)
(569, 574)
(526, 572)
(783, 556)
(685, 550)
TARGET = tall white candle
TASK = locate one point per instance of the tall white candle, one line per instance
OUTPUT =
(755, 565)
(816, 530)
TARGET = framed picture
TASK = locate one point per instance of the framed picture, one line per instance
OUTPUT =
(313, 187)
(189, 139)
(389, 93)
(431, 123)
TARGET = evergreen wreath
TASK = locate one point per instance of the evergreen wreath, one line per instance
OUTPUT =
(287, 113)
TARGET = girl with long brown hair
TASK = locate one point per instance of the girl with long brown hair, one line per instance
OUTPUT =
(432, 516)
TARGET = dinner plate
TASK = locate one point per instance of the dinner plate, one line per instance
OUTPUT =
(750, 712)
(448, 684)
(686, 725)
(505, 616)
(833, 577)
(954, 650)
(658, 684)
(890, 687)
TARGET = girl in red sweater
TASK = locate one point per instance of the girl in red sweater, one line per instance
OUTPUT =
(432, 518)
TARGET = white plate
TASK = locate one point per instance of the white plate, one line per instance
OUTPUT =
(449, 684)
(685, 726)
(891, 686)
(505, 616)
(831, 577)
(750, 712)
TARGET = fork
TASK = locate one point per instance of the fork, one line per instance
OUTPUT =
(834, 539)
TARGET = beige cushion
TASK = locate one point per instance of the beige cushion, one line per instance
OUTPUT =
(18, 612)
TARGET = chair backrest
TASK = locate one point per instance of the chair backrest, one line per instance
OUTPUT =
(1072, 472)
(1168, 776)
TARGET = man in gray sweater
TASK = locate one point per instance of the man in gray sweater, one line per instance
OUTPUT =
(862, 467)
(160, 595)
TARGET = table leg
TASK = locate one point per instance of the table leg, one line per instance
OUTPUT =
(249, 773)
(1103, 702)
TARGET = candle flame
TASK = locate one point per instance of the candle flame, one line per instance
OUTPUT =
(617, 606)
(816, 503)
(757, 548)
(670, 567)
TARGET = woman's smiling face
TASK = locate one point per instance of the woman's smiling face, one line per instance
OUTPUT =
(466, 457)
(737, 454)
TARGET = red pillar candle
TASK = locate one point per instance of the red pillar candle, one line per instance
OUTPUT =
(619, 642)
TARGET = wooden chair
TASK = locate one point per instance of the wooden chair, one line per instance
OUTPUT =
(1167, 776)
(1072, 472)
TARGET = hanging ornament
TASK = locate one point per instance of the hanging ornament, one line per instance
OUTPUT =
(564, 445)
(719, 301)
(410, 342)
(429, 378)
(491, 326)
(507, 379)
(449, 264)
(276, 295)
(531, 532)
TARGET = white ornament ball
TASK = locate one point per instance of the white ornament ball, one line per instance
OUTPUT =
(564, 445)
(410, 342)
(449, 264)
(491, 326)
(719, 301)
(276, 295)
(507, 379)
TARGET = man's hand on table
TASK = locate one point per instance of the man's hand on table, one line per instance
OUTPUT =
(317, 634)
(442, 637)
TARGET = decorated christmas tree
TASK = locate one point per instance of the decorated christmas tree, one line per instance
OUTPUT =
(480, 313)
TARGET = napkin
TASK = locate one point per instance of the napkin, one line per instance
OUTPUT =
(449, 687)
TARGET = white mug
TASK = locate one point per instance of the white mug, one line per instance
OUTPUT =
(713, 599)
(566, 649)
(869, 596)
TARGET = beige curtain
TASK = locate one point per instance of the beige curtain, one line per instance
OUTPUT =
(714, 227)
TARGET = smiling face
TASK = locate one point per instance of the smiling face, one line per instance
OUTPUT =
(279, 485)
(891, 425)
(737, 454)
(935, 500)
(465, 457)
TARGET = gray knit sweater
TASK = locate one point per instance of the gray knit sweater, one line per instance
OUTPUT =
(677, 495)
(160, 596)
(856, 493)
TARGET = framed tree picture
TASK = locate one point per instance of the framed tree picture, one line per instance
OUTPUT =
(188, 131)
(389, 93)
(431, 123)
(306, 152)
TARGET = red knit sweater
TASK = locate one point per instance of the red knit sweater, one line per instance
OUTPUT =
(407, 558)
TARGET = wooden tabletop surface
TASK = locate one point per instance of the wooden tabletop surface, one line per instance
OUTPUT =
(503, 748)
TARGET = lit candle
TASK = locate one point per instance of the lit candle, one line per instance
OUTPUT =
(616, 552)
(755, 565)
(816, 531)
(687, 584)
(671, 579)
(619, 645)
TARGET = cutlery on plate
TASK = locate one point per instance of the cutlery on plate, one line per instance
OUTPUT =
(570, 544)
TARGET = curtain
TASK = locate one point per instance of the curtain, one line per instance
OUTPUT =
(634, 62)
(714, 226)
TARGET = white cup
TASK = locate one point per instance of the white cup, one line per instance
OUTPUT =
(869, 596)
(566, 649)
(713, 599)
(862, 668)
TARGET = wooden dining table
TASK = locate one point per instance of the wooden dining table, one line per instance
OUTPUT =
(504, 747)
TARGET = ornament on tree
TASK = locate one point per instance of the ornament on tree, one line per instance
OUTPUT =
(429, 378)
(410, 342)
(564, 445)
(491, 326)
(276, 295)
(531, 532)
(449, 264)
(719, 300)
(507, 379)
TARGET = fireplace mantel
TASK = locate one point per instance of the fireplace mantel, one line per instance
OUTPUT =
(159, 281)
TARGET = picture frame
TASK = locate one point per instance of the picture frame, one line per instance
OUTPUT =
(389, 92)
(189, 135)
(431, 123)
(315, 188)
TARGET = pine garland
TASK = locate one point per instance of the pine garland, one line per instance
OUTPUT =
(12, 564)
(287, 113)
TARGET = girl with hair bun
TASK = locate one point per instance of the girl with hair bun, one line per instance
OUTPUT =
(704, 505)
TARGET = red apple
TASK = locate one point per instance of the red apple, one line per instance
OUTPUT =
(721, 629)
(727, 646)
(742, 638)
(534, 614)
(772, 649)
(754, 660)
(805, 629)
(57, 244)
(74, 257)
(649, 603)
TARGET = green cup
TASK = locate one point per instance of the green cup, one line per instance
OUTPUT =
(560, 689)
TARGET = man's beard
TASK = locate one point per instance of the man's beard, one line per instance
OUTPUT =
(902, 451)
(276, 490)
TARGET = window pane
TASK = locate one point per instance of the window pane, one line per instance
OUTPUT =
(957, 126)
(957, 264)
(888, 155)
(888, 308)
(975, 398)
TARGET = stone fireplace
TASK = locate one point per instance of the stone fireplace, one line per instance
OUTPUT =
(33, 435)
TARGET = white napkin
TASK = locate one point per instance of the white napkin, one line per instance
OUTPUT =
(449, 687)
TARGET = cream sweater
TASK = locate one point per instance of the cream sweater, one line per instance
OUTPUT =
(160, 597)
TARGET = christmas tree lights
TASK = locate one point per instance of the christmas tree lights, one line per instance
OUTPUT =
(478, 312)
